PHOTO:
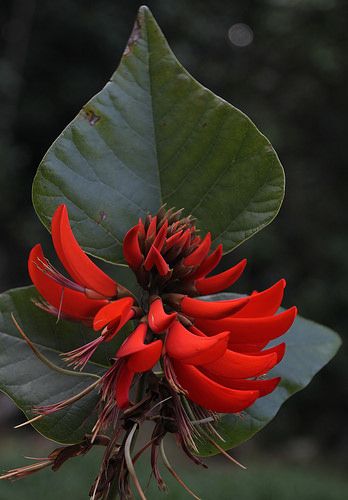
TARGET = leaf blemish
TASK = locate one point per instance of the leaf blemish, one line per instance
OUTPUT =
(92, 117)
(135, 35)
(102, 217)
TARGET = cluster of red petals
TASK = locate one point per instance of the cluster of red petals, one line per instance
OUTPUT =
(215, 352)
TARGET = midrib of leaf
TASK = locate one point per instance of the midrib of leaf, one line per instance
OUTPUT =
(149, 75)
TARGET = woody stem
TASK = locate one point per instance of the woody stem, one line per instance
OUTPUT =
(113, 492)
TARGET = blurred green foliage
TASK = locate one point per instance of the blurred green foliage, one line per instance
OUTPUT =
(286, 67)
(223, 481)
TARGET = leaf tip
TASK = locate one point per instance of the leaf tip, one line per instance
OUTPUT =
(145, 16)
(144, 9)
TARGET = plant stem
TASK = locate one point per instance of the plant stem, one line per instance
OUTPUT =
(113, 492)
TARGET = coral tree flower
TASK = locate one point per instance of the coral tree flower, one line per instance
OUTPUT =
(201, 355)
(212, 351)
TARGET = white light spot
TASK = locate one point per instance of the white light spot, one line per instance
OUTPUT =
(241, 35)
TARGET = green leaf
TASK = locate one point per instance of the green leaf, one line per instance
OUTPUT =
(29, 382)
(310, 346)
(155, 135)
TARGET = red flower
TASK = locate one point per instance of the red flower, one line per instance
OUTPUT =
(188, 358)
(211, 351)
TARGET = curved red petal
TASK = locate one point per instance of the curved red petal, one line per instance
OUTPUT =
(77, 263)
(184, 240)
(279, 350)
(237, 365)
(172, 240)
(152, 229)
(112, 311)
(210, 394)
(116, 325)
(219, 282)
(196, 331)
(199, 254)
(263, 386)
(158, 319)
(208, 264)
(154, 258)
(72, 303)
(134, 342)
(145, 359)
(141, 230)
(161, 236)
(131, 248)
(123, 384)
(161, 264)
(264, 303)
(192, 349)
(251, 330)
(55, 231)
(212, 310)
(248, 348)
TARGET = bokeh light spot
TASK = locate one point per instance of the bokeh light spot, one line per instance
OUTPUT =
(240, 34)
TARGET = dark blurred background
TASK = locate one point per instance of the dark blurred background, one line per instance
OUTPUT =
(284, 63)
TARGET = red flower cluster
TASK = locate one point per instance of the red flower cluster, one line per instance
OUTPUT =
(210, 351)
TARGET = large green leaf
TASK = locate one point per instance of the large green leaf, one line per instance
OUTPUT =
(154, 135)
(29, 382)
(309, 347)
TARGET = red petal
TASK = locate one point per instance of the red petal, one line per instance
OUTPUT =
(264, 303)
(257, 349)
(141, 229)
(152, 229)
(219, 282)
(72, 303)
(154, 258)
(251, 330)
(192, 349)
(197, 256)
(144, 360)
(209, 394)
(247, 348)
(212, 310)
(77, 263)
(236, 365)
(158, 319)
(172, 240)
(116, 325)
(279, 350)
(131, 248)
(55, 230)
(180, 245)
(123, 385)
(112, 311)
(184, 240)
(263, 386)
(161, 236)
(134, 342)
(208, 264)
(195, 330)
